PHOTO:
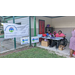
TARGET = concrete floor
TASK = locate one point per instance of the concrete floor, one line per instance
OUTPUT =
(65, 52)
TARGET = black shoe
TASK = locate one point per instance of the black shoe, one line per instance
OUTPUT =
(49, 45)
(56, 47)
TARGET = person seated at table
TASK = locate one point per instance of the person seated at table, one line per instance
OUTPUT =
(54, 33)
(49, 33)
(59, 34)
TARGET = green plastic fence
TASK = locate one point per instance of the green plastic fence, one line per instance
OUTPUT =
(1, 36)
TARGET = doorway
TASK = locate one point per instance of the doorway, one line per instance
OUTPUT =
(41, 28)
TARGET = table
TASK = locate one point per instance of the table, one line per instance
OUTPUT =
(52, 38)
(57, 39)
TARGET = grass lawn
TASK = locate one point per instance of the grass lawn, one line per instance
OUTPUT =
(33, 53)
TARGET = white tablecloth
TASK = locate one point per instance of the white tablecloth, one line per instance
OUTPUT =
(56, 38)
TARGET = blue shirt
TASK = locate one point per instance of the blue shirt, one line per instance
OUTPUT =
(48, 34)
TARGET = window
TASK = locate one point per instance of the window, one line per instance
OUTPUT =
(19, 23)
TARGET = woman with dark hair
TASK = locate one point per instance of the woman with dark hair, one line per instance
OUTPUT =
(49, 33)
(59, 34)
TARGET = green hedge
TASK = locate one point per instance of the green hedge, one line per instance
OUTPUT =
(1, 36)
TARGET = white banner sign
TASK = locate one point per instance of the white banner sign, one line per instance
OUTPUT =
(14, 30)
(24, 40)
(34, 39)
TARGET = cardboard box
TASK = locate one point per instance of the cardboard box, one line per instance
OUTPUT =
(61, 47)
(45, 43)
